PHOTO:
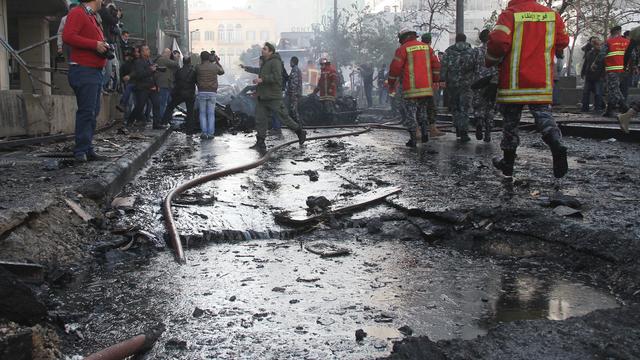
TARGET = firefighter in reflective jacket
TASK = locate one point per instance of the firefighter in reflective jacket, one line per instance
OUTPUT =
(327, 87)
(625, 119)
(612, 54)
(417, 67)
(524, 42)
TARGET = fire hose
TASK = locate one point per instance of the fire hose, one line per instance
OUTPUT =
(170, 223)
(132, 346)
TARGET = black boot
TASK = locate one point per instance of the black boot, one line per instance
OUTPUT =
(623, 108)
(259, 145)
(506, 163)
(424, 132)
(608, 111)
(478, 129)
(487, 135)
(560, 165)
(412, 140)
(302, 136)
(464, 137)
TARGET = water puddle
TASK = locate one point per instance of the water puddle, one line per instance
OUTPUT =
(273, 299)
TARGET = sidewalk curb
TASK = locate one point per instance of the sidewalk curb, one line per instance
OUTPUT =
(116, 176)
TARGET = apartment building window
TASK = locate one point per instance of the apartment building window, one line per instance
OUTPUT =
(251, 35)
(238, 35)
(221, 33)
(195, 36)
(209, 35)
(230, 33)
(264, 35)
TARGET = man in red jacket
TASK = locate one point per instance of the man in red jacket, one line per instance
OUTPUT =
(328, 88)
(524, 42)
(83, 34)
(417, 66)
(612, 59)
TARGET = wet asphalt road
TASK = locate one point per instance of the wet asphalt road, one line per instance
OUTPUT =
(270, 298)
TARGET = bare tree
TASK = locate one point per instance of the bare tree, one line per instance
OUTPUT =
(424, 17)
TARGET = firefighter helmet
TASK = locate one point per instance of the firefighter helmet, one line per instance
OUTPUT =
(405, 32)
(324, 61)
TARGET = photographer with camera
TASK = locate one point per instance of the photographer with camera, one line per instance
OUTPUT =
(207, 73)
(110, 19)
(146, 88)
(83, 33)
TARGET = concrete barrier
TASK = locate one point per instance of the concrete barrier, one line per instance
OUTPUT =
(12, 120)
(24, 114)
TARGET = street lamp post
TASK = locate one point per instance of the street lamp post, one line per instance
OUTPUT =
(459, 16)
(335, 33)
(191, 32)
(191, 40)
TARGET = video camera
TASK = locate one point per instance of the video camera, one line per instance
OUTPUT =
(214, 57)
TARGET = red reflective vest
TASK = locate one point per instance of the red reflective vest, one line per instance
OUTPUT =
(525, 40)
(419, 67)
(614, 60)
(328, 83)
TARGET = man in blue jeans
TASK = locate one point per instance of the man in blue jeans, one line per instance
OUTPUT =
(83, 33)
(207, 73)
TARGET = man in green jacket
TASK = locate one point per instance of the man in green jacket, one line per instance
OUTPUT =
(269, 91)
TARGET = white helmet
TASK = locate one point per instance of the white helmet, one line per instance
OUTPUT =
(405, 32)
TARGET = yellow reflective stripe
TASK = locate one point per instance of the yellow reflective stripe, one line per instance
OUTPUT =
(531, 16)
(515, 54)
(524, 99)
(413, 48)
(327, 97)
(392, 77)
(615, 53)
(414, 93)
(428, 57)
(505, 29)
(512, 92)
(617, 67)
(412, 75)
(395, 58)
(550, 40)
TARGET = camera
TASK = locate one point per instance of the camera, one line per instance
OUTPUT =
(214, 57)
(110, 54)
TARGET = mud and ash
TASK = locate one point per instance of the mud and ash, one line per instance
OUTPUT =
(454, 255)
(458, 254)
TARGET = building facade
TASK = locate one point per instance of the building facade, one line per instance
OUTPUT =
(229, 33)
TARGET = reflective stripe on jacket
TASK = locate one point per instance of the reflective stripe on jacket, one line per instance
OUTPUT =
(526, 38)
(419, 67)
(614, 60)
